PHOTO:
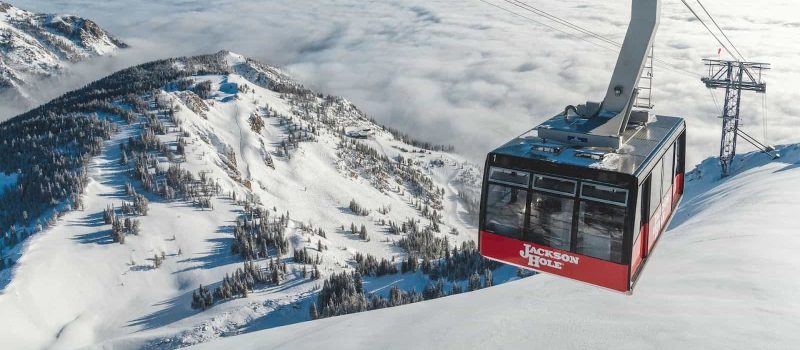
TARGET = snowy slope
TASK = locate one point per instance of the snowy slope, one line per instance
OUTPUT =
(724, 277)
(73, 287)
(35, 46)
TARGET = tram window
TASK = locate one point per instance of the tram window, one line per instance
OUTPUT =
(604, 193)
(552, 184)
(600, 230)
(551, 220)
(505, 210)
(511, 177)
(655, 188)
(669, 170)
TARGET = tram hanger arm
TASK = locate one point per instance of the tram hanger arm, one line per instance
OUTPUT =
(621, 92)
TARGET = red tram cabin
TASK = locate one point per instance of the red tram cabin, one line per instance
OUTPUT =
(588, 213)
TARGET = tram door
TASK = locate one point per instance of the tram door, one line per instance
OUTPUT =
(642, 242)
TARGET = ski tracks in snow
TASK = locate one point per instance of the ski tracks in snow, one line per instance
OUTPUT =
(241, 142)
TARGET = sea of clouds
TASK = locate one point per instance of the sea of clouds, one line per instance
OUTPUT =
(461, 72)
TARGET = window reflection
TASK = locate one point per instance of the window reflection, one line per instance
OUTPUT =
(508, 176)
(552, 184)
(604, 193)
(655, 188)
(505, 210)
(551, 220)
(600, 228)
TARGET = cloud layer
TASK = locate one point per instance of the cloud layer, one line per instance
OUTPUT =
(461, 72)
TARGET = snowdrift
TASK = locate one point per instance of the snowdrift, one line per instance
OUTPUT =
(723, 277)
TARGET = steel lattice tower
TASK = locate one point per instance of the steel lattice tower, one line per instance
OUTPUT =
(735, 77)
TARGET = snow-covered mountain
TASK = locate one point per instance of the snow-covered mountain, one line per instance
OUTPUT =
(724, 276)
(35, 46)
(221, 172)
(193, 198)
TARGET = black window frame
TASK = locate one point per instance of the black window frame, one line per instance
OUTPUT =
(572, 194)
(525, 213)
(529, 234)
(624, 245)
(578, 174)
(515, 184)
(606, 201)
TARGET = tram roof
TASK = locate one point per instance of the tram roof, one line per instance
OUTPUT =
(640, 143)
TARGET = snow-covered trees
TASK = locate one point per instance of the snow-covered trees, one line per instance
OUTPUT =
(108, 215)
(302, 256)
(343, 293)
(50, 145)
(255, 232)
(256, 123)
(434, 290)
(203, 89)
(474, 282)
(339, 295)
(422, 242)
(48, 152)
(456, 264)
(368, 265)
(173, 183)
(140, 205)
(243, 281)
(357, 208)
(488, 279)
(312, 311)
(120, 228)
(202, 298)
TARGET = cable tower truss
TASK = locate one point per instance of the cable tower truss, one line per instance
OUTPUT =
(735, 77)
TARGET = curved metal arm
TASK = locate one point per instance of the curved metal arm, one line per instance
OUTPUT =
(644, 22)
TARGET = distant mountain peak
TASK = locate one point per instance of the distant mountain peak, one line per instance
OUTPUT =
(231, 58)
(35, 46)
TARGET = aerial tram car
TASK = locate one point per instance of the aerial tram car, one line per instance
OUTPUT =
(586, 194)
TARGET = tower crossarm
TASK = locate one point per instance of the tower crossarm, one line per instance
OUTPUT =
(734, 77)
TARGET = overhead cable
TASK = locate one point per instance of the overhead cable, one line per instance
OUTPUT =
(721, 31)
(710, 31)
(544, 14)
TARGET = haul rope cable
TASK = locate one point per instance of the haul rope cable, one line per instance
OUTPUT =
(763, 97)
(542, 13)
(720, 30)
(546, 25)
(532, 9)
(710, 31)
(563, 22)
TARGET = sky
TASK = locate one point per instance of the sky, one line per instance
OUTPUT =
(463, 72)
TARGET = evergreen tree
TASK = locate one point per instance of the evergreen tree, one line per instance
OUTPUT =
(313, 311)
(359, 282)
(474, 282)
(363, 232)
(488, 279)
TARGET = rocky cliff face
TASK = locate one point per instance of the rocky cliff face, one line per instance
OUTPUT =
(35, 46)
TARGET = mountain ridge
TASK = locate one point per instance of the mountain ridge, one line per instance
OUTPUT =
(36, 46)
(190, 173)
